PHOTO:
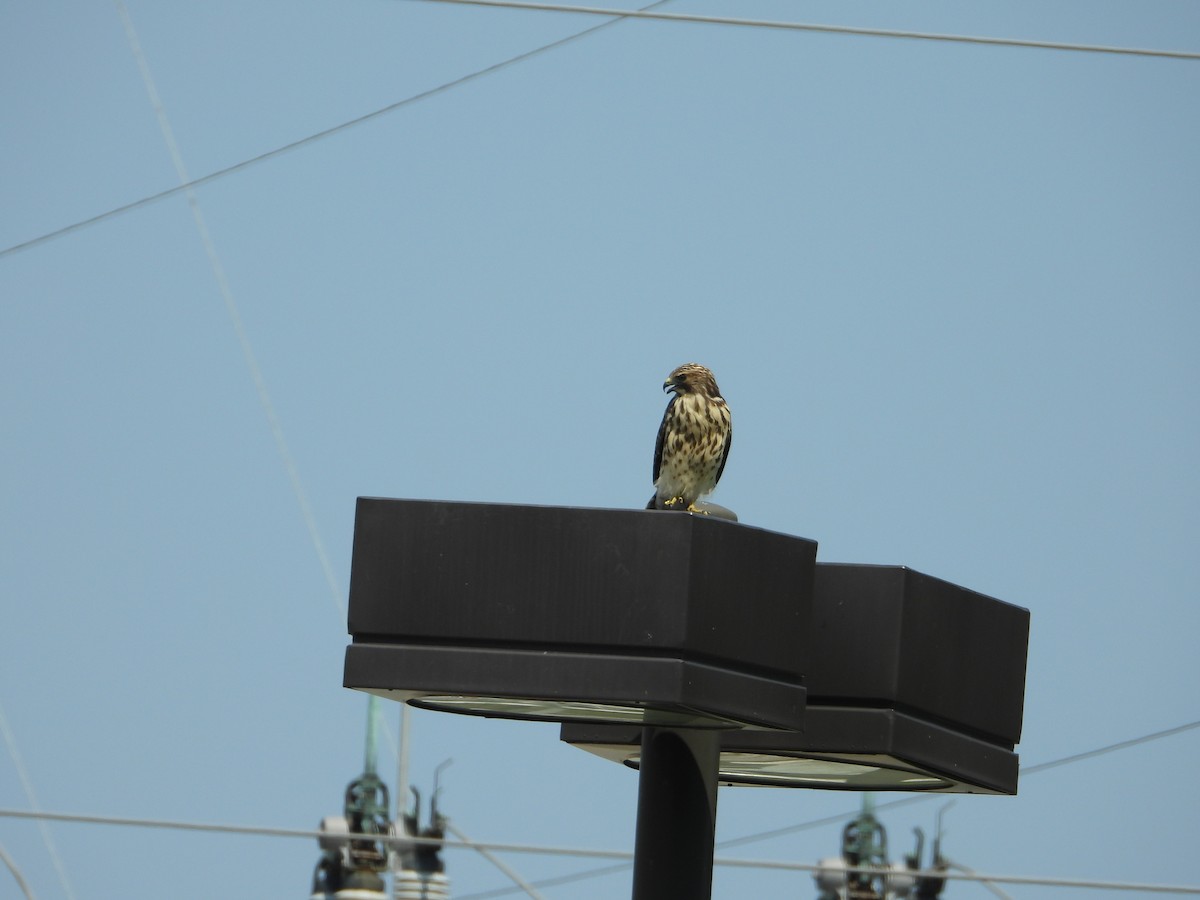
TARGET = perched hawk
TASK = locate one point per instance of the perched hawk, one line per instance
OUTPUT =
(693, 440)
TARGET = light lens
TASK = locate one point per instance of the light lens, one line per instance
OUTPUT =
(568, 710)
(781, 770)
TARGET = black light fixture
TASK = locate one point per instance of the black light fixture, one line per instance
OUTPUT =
(915, 684)
(565, 614)
(696, 649)
(890, 751)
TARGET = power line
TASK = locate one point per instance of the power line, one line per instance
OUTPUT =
(397, 840)
(1094, 884)
(1100, 751)
(16, 873)
(987, 884)
(10, 741)
(306, 833)
(499, 864)
(827, 29)
(556, 881)
(817, 823)
(645, 12)
(312, 138)
(626, 857)
(585, 874)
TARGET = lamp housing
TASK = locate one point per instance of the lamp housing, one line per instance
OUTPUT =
(573, 614)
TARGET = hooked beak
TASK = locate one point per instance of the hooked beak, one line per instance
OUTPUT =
(669, 385)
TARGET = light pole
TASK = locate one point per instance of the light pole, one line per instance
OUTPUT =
(676, 814)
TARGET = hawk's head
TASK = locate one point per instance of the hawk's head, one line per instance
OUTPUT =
(692, 378)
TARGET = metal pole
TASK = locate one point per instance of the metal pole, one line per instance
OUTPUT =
(677, 814)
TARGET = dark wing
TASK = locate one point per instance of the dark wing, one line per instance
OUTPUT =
(662, 436)
(724, 455)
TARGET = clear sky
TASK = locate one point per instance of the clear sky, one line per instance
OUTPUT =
(951, 293)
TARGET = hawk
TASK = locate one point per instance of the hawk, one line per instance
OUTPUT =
(693, 440)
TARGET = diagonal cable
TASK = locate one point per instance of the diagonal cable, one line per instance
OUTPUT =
(188, 184)
(763, 864)
(16, 873)
(10, 741)
(1100, 751)
(623, 855)
(260, 385)
(825, 29)
(499, 864)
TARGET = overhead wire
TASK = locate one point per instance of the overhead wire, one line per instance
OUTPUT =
(826, 29)
(1100, 751)
(193, 183)
(1046, 881)
(10, 741)
(645, 12)
(1003, 895)
(600, 871)
(777, 865)
(499, 864)
(16, 873)
(626, 856)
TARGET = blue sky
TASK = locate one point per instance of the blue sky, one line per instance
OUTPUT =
(951, 293)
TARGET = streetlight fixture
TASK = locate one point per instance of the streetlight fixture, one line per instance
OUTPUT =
(915, 684)
(552, 613)
(695, 649)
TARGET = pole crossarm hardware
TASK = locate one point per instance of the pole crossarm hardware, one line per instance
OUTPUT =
(695, 649)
